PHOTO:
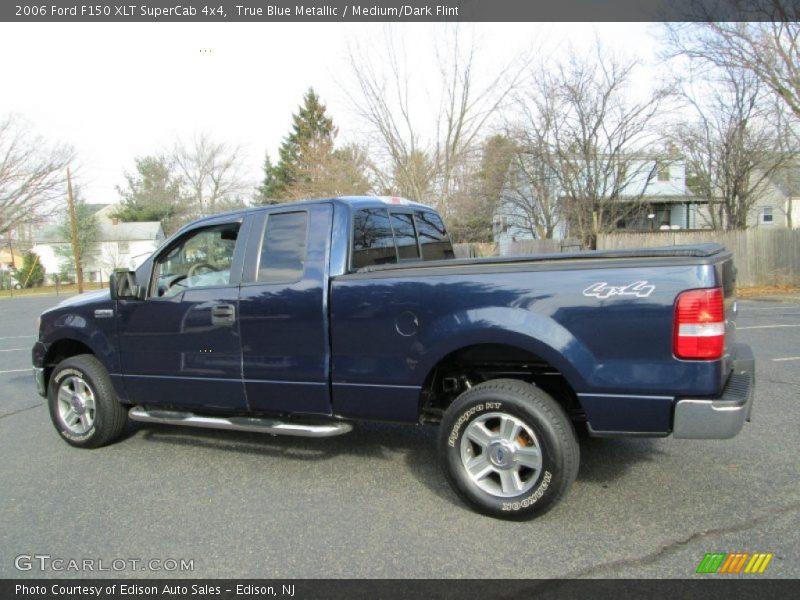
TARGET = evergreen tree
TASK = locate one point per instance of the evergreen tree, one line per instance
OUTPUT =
(153, 193)
(312, 131)
(32, 271)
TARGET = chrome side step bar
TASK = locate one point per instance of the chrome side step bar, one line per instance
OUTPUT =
(271, 426)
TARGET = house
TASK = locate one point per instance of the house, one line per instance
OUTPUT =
(10, 258)
(532, 205)
(779, 203)
(119, 245)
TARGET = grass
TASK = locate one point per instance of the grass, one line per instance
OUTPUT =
(767, 290)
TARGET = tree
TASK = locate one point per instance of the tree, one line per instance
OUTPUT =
(153, 193)
(310, 165)
(530, 195)
(474, 208)
(32, 271)
(324, 171)
(788, 144)
(766, 46)
(428, 168)
(732, 147)
(31, 174)
(88, 230)
(211, 172)
(310, 138)
(587, 133)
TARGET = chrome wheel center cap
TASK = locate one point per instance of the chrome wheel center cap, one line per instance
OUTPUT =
(77, 404)
(501, 455)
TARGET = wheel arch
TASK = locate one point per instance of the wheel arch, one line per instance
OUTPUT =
(511, 358)
(60, 350)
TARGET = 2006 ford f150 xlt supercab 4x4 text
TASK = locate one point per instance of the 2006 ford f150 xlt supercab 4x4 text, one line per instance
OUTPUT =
(301, 318)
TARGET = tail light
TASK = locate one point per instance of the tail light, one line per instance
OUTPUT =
(699, 325)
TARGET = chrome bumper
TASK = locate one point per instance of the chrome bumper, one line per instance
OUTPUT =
(723, 417)
(38, 378)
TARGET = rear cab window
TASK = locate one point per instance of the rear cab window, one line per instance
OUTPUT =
(283, 251)
(433, 236)
(386, 236)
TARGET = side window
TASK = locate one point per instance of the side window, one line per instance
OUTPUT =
(202, 259)
(405, 236)
(283, 253)
(432, 236)
(373, 241)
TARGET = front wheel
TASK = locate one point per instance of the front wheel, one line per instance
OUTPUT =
(83, 406)
(509, 450)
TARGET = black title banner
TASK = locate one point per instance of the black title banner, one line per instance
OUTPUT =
(396, 10)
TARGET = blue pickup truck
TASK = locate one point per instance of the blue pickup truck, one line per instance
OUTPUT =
(301, 318)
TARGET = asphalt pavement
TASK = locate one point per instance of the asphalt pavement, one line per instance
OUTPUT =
(374, 503)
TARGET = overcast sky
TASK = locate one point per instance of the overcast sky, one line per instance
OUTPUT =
(115, 91)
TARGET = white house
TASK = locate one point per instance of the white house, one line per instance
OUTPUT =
(119, 245)
(657, 185)
(779, 204)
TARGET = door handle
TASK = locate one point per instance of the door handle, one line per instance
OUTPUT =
(223, 314)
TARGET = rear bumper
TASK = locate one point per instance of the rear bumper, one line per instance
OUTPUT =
(722, 417)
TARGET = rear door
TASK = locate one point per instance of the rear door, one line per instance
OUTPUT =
(284, 304)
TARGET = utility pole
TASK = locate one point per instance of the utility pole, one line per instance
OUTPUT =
(73, 220)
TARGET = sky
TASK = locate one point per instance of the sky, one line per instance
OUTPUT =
(115, 91)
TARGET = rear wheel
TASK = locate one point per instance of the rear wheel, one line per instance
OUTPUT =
(508, 449)
(83, 406)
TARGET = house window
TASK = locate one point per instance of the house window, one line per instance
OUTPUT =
(123, 247)
(663, 172)
(500, 224)
(766, 217)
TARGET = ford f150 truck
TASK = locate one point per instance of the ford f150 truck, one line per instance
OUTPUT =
(301, 318)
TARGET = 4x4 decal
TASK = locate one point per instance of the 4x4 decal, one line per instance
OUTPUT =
(640, 289)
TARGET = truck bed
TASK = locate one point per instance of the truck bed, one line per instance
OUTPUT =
(679, 255)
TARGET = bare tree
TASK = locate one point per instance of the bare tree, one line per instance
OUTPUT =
(766, 46)
(212, 172)
(32, 174)
(587, 133)
(427, 168)
(530, 195)
(787, 175)
(731, 148)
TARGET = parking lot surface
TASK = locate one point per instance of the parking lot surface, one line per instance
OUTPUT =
(375, 504)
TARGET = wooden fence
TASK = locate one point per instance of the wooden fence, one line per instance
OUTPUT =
(474, 250)
(762, 256)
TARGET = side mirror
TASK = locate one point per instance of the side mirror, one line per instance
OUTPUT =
(122, 285)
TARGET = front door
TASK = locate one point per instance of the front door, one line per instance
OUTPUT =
(181, 346)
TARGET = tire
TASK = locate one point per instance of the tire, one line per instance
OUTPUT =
(76, 384)
(499, 427)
